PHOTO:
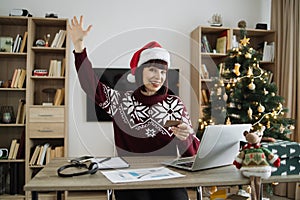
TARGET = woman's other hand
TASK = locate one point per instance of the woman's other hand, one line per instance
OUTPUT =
(182, 131)
(77, 33)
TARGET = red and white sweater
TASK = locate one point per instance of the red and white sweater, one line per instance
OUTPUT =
(137, 119)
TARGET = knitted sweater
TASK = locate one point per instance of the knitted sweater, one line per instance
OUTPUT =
(254, 156)
(137, 119)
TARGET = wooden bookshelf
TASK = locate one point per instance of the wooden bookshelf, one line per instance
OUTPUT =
(29, 56)
(46, 123)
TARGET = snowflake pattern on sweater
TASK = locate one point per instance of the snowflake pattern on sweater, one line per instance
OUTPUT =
(138, 116)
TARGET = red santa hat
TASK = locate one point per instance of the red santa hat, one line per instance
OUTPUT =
(151, 51)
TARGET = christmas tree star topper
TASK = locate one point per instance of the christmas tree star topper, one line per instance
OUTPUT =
(245, 41)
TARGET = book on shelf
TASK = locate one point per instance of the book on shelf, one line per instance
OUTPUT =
(270, 77)
(19, 71)
(59, 96)
(16, 149)
(59, 39)
(206, 44)
(48, 155)
(59, 151)
(55, 68)
(21, 151)
(20, 104)
(18, 78)
(35, 155)
(268, 52)
(24, 41)
(21, 80)
(42, 154)
(204, 72)
(205, 96)
(234, 42)
(21, 113)
(17, 43)
(63, 67)
(54, 42)
(13, 79)
(6, 44)
(14, 49)
(12, 148)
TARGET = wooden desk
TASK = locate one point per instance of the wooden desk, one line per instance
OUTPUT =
(48, 180)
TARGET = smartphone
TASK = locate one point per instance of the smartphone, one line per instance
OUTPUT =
(170, 123)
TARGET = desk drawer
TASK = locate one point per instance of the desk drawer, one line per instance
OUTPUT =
(46, 114)
(46, 130)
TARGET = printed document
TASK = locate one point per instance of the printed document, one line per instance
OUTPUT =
(142, 174)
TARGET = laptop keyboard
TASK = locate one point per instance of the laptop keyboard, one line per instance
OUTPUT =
(186, 164)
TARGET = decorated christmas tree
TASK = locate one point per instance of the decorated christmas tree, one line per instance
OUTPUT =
(245, 93)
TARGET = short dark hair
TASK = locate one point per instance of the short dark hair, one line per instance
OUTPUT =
(156, 63)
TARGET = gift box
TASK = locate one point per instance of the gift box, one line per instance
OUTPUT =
(289, 154)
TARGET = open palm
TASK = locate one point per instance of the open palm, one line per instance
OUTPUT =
(77, 32)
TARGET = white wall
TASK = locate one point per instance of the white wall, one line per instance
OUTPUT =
(119, 27)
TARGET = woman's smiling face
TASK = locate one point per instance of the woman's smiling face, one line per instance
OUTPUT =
(153, 79)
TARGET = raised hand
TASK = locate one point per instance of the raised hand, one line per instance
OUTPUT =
(77, 33)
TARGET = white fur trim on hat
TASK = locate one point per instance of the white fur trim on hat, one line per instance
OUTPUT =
(131, 78)
(154, 54)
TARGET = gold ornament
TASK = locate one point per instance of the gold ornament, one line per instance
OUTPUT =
(245, 41)
(251, 86)
(261, 108)
(228, 122)
(248, 55)
(292, 127)
(265, 91)
(228, 86)
(249, 72)
(237, 69)
(250, 113)
(281, 128)
(268, 124)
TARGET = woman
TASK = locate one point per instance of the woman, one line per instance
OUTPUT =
(139, 116)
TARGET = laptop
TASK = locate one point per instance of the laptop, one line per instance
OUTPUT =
(219, 146)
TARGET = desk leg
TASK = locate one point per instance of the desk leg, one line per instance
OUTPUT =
(59, 195)
(199, 193)
(34, 195)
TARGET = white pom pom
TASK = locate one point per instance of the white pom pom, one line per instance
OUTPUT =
(131, 78)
